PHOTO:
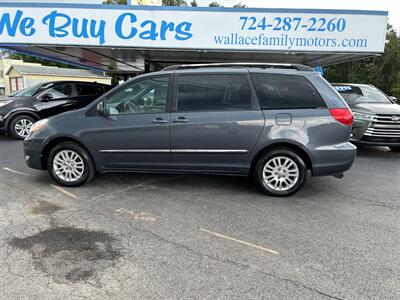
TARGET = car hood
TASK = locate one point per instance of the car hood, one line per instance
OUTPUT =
(6, 98)
(377, 108)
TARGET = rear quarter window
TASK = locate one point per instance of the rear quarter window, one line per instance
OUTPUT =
(89, 89)
(280, 91)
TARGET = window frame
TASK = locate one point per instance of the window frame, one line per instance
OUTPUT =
(254, 104)
(137, 80)
(73, 94)
(88, 84)
(288, 108)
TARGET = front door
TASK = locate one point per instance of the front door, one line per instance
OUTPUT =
(216, 123)
(135, 132)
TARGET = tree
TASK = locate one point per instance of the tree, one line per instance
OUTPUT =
(174, 3)
(382, 71)
(214, 4)
(240, 5)
(193, 3)
(115, 2)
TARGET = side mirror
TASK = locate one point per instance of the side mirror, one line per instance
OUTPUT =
(101, 110)
(46, 97)
(394, 99)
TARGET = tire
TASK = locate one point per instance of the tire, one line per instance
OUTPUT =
(395, 148)
(66, 173)
(20, 125)
(287, 169)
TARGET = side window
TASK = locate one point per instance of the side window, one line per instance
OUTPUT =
(213, 93)
(277, 91)
(58, 92)
(99, 90)
(85, 89)
(138, 97)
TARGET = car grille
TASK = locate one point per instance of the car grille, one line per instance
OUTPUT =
(384, 128)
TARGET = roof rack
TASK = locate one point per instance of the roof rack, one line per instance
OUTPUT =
(297, 67)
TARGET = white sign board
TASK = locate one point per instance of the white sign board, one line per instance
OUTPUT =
(193, 28)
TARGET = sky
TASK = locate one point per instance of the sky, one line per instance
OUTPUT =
(393, 6)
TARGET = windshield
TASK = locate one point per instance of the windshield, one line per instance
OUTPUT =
(29, 91)
(361, 94)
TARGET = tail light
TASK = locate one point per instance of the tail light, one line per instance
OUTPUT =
(342, 115)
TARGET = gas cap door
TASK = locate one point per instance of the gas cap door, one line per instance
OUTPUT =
(283, 119)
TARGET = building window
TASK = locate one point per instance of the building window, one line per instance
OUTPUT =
(2, 91)
(16, 84)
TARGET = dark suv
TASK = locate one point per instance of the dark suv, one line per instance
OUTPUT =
(376, 115)
(270, 122)
(21, 109)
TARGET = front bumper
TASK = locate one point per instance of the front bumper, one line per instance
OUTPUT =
(333, 159)
(383, 130)
(378, 141)
(33, 153)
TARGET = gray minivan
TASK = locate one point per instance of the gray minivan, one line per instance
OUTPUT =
(272, 122)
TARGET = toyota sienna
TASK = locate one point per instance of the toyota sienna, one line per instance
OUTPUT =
(271, 122)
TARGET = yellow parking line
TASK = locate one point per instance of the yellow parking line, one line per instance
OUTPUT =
(16, 172)
(63, 191)
(241, 242)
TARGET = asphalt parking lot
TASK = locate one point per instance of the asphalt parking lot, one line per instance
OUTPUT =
(177, 236)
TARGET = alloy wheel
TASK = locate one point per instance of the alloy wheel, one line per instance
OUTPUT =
(23, 127)
(68, 165)
(280, 173)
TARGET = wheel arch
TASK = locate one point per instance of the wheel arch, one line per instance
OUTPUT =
(292, 146)
(18, 113)
(55, 141)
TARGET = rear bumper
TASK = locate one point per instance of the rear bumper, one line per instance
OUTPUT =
(333, 159)
(33, 153)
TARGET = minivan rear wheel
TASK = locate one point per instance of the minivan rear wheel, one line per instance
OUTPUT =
(70, 165)
(280, 172)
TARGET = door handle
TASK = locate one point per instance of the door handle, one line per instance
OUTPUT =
(159, 121)
(181, 120)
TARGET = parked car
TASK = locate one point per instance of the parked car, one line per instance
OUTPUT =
(273, 124)
(376, 115)
(19, 111)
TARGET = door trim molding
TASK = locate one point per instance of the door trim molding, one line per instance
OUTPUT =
(234, 151)
(135, 151)
(209, 151)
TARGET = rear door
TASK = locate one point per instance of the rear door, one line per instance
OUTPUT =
(215, 123)
(87, 92)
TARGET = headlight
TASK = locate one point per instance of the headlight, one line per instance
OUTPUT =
(363, 117)
(39, 125)
(4, 103)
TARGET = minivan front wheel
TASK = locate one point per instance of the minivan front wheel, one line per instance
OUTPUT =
(70, 165)
(280, 172)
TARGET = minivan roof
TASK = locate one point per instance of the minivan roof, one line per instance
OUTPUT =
(297, 67)
(229, 70)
